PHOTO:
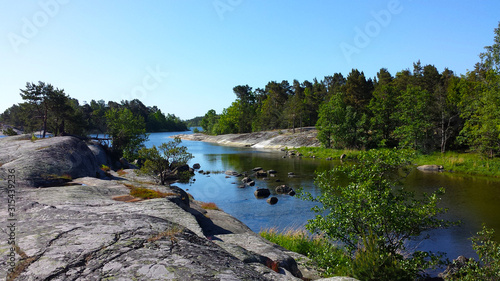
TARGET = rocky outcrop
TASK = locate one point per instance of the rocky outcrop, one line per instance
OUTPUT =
(94, 229)
(44, 162)
(267, 139)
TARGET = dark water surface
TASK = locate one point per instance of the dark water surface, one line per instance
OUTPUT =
(472, 200)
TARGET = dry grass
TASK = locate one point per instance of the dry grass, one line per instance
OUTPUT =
(274, 266)
(121, 172)
(127, 198)
(210, 206)
(143, 193)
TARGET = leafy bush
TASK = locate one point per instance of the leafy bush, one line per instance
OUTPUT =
(362, 207)
(167, 156)
(488, 266)
(9, 132)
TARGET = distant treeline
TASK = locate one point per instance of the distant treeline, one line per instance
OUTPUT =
(421, 109)
(50, 108)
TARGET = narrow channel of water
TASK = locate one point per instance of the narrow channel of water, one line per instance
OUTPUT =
(473, 200)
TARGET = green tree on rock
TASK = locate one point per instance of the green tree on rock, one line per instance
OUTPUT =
(160, 160)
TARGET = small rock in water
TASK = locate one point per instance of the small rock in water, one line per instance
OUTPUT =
(273, 200)
(262, 193)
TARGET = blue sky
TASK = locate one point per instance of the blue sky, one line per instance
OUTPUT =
(185, 56)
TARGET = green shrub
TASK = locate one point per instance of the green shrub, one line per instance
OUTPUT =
(105, 168)
(356, 198)
(488, 266)
(9, 132)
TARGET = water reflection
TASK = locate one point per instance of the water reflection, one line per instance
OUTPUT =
(472, 200)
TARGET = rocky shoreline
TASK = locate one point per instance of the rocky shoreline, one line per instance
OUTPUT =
(72, 222)
(266, 139)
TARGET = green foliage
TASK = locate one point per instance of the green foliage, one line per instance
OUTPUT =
(488, 266)
(341, 126)
(415, 126)
(9, 132)
(209, 121)
(51, 109)
(463, 163)
(481, 110)
(360, 201)
(228, 122)
(323, 153)
(164, 158)
(127, 131)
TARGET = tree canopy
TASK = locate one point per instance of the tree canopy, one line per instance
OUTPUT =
(422, 108)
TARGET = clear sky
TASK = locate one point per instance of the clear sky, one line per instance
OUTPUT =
(185, 56)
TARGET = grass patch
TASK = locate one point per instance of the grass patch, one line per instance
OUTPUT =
(105, 168)
(321, 152)
(464, 163)
(210, 206)
(330, 259)
(146, 193)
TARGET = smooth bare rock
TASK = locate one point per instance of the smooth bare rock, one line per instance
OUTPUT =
(95, 230)
(42, 162)
(261, 247)
(81, 233)
(277, 139)
(430, 168)
(100, 154)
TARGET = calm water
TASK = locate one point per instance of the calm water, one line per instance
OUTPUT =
(471, 200)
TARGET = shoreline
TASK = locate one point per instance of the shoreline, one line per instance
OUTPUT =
(276, 139)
